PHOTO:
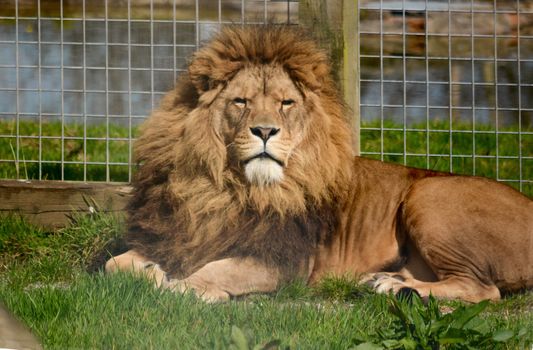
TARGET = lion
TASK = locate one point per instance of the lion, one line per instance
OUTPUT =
(248, 180)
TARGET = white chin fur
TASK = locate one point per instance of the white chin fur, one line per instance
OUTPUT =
(263, 172)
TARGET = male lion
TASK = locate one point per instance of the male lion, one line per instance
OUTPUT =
(247, 180)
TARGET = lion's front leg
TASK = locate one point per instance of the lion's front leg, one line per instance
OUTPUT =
(456, 287)
(221, 279)
(134, 262)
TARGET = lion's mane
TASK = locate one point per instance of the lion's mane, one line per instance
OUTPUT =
(190, 207)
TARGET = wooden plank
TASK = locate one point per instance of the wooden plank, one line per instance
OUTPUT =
(334, 24)
(48, 203)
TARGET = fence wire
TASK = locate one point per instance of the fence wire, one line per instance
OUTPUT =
(448, 85)
(445, 84)
(77, 77)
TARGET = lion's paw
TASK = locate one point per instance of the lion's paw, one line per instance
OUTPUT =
(385, 282)
(207, 293)
(154, 272)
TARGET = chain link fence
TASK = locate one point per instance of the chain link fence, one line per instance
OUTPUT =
(78, 77)
(445, 84)
(448, 85)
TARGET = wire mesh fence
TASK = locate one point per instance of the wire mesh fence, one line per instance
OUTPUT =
(445, 84)
(448, 85)
(77, 77)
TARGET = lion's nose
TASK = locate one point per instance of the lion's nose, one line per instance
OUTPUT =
(264, 132)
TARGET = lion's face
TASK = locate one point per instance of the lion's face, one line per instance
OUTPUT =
(263, 121)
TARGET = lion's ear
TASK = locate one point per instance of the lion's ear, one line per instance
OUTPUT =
(312, 75)
(199, 73)
(207, 70)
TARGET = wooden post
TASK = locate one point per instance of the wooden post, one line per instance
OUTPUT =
(335, 25)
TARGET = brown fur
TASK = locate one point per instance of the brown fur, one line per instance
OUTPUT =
(200, 217)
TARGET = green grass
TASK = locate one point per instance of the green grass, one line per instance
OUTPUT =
(51, 281)
(439, 139)
(465, 159)
(71, 148)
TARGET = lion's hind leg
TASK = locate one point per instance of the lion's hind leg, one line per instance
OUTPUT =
(138, 264)
(455, 287)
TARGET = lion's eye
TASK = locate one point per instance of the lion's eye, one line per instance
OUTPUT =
(239, 102)
(287, 103)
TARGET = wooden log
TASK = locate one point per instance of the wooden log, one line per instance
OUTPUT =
(48, 203)
(334, 24)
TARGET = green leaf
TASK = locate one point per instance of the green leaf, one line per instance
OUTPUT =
(522, 332)
(388, 333)
(478, 325)
(418, 322)
(391, 344)
(408, 344)
(439, 326)
(454, 335)
(449, 340)
(502, 336)
(397, 309)
(271, 345)
(368, 346)
(433, 307)
(238, 338)
(463, 315)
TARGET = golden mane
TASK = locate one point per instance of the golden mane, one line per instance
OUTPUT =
(190, 208)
